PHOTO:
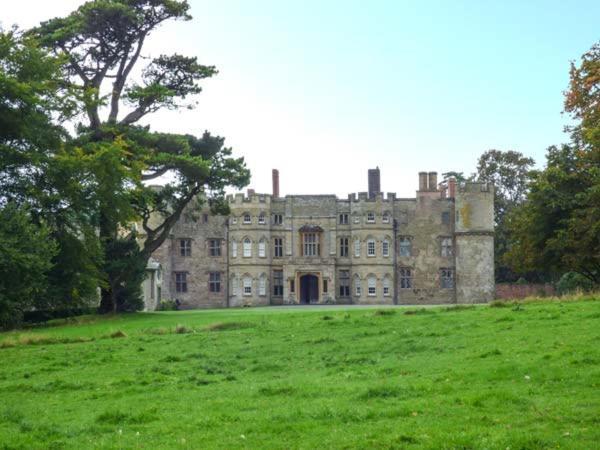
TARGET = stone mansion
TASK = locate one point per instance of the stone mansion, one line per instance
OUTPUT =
(319, 249)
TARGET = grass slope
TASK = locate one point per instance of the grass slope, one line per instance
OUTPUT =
(518, 377)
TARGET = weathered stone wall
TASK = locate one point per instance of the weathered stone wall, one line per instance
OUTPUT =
(425, 220)
(508, 290)
(475, 243)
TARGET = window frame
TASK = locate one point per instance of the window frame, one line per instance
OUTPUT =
(446, 247)
(277, 283)
(247, 247)
(405, 277)
(408, 240)
(385, 248)
(371, 248)
(371, 286)
(278, 247)
(247, 286)
(262, 248)
(386, 286)
(357, 286)
(311, 244)
(181, 283)
(246, 219)
(277, 219)
(214, 247)
(344, 284)
(447, 278)
(344, 246)
(185, 247)
(357, 245)
(214, 282)
(370, 217)
(262, 219)
(343, 218)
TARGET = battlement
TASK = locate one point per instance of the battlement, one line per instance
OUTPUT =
(253, 198)
(475, 186)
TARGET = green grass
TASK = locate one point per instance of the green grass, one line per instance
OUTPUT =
(519, 376)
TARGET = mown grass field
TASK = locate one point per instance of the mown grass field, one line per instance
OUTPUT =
(521, 377)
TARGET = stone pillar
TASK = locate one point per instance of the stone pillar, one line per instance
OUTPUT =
(275, 183)
(433, 181)
(422, 181)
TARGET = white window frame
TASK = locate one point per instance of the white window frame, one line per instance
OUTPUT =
(247, 248)
(262, 248)
(357, 286)
(371, 248)
(261, 218)
(234, 286)
(357, 248)
(262, 285)
(371, 286)
(247, 219)
(386, 217)
(385, 248)
(370, 217)
(247, 286)
(386, 286)
(234, 249)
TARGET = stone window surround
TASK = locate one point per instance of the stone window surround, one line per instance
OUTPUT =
(247, 285)
(180, 281)
(246, 218)
(185, 247)
(262, 219)
(370, 217)
(371, 286)
(357, 286)
(214, 282)
(405, 277)
(262, 248)
(247, 247)
(446, 278)
(214, 247)
(405, 246)
(371, 248)
(386, 286)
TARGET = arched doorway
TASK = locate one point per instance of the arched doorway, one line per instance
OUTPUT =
(309, 289)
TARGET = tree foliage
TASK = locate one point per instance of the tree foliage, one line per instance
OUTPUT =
(26, 253)
(558, 227)
(102, 42)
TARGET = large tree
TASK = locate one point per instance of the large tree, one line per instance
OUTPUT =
(558, 227)
(38, 175)
(102, 42)
(509, 172)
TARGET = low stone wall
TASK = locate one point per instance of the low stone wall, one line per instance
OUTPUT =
(507, 290)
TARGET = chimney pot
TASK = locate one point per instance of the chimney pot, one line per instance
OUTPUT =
(422, 181)
(275, 183)
(433, 181)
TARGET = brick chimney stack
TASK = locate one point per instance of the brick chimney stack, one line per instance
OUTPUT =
(422, 181)
(451, 187)
(275, 183)
(433, 181)
(374, 182)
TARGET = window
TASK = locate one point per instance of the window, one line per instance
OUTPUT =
(386, 217)
(214, 247)
(344, 283)
(234, 286)
(247, 286)
(405, 246)
(447, 249)
(262, 248)
(405, 278)
(234, 249)
(357, 248)
(247, 248)
(262, 285)
(205, 218)
(310, 244)
(278, 247)
(214, 281)
(385, 246)
(386, 286)
(370, 217)
(234, 220)
(261, 218)
(371, 286)
(278, 283)
(324, 286)
(344, 219)
(357, 286)
(371, 247)
(292, 286)
(247, 218)
(277, 219)
(344, 247)
(445, 217)
(185, 247)
(180, 281)
(447, 278)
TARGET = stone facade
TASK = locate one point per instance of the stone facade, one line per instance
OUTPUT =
(366, 249)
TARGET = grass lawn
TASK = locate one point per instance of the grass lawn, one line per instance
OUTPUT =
(518, 377)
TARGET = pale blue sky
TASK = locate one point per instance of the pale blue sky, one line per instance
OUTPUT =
(324, 90)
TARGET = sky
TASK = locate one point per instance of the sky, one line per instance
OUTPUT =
(324, 90)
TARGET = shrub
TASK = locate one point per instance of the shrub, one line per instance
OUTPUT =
(167, 305)
(572, 282)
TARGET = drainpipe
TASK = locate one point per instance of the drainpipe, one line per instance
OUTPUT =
(395, 277)
(227, 261)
